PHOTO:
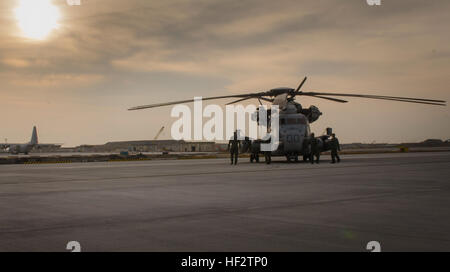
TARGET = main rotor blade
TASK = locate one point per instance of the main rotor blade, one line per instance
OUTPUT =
(375, 96)
(409, 101)
(251, 95)
(329, 98)
(301, 84)
(399, 99)
(240, 100)
(185, 101)
(266, 99)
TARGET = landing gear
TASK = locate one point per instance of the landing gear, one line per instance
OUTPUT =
(291, 158)
(254, 157)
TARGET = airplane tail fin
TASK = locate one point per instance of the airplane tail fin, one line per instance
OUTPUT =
(34, 137)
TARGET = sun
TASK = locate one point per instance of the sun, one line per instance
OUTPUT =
(37, 18)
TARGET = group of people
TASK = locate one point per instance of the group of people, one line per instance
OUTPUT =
(234, 146)
(316, 149)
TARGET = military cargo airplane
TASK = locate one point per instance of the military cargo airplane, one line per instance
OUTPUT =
(24, 148)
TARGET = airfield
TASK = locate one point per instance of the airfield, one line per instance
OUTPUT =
(401, 200)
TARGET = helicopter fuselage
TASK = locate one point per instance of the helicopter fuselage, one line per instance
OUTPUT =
(294, 135)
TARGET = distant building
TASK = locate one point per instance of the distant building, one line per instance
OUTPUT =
(152, 146)
(46, 148)
(433, 142)
(428, 143)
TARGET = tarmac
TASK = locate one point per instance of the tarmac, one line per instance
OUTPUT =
(400, 200)
(77, 154)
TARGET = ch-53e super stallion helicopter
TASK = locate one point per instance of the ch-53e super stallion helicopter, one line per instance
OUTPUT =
(295, 120)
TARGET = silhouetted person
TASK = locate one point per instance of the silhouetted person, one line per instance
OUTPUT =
(335, 147)
(233, 146)
(247, 145)
(315, 149)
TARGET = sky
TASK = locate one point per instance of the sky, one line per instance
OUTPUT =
(105, 56)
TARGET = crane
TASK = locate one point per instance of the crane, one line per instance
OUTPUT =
(159, 133)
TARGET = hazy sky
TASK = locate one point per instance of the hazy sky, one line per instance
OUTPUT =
(108, 55)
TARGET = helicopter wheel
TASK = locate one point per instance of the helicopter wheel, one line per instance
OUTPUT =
(268, 158)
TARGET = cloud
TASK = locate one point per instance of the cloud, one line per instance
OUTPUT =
(17, 63)
(48, 82)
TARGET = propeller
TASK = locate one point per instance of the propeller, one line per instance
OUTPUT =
(240, 100)
(246, 98)
(329, 98)
(184, 101)
(301, 85)
(289, 94)
(381, 97)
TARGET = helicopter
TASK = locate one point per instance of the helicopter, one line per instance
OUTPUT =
(294, 119)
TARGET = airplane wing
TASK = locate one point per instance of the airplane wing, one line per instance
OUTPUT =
(4, 146)
(48, 145)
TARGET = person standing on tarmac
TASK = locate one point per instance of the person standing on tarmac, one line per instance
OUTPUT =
(315, 149)
(335, 147)
(233, 146)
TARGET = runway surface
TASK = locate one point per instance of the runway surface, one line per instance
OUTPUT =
(77, 154)
(400, 200)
